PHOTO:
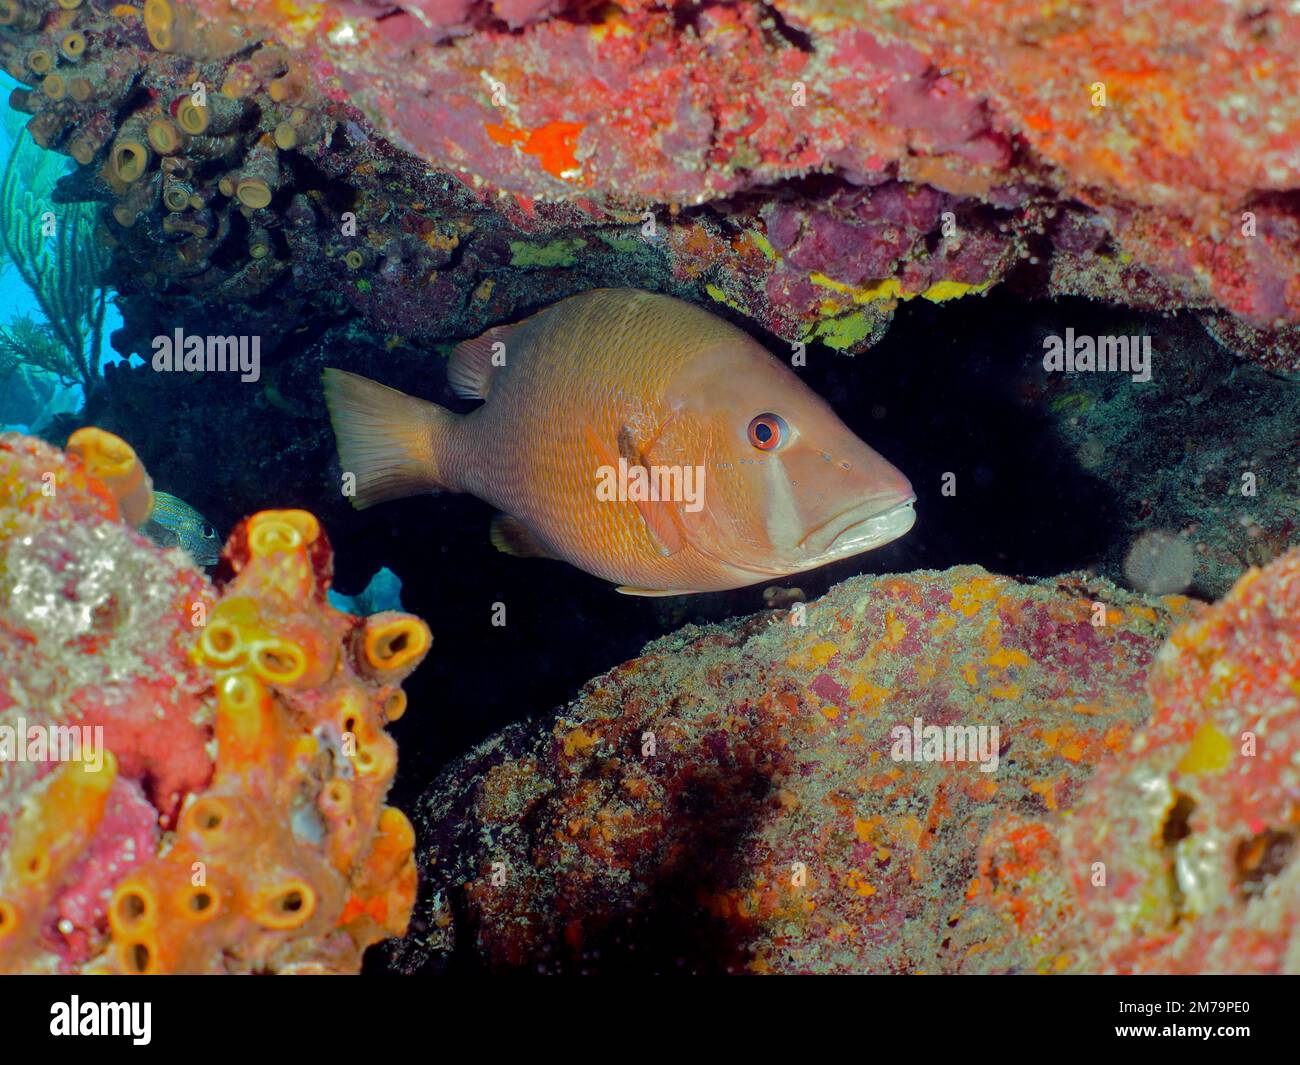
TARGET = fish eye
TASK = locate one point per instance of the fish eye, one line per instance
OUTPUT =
(209, 533)
(767, 432)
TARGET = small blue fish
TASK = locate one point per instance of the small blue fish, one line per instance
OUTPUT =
(174, 523)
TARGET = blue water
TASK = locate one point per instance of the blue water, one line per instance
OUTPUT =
(17, 300)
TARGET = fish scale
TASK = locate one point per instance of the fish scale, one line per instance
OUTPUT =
(554, 488)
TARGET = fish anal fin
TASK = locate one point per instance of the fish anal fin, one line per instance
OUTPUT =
(626, 589)
(511, 536)
(473, 363)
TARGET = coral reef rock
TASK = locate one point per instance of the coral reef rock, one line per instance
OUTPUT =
(443, 167)
(741, 797)
(1180, 856)
(192, 777)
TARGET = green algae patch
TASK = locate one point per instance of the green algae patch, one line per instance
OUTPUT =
(890, 289)
(942, 291)
(762, 244)
(1072, 404)
(627, 245)
(556, 253)
(717, 294)
(845, 332)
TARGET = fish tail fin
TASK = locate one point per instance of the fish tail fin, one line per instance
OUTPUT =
(393, 444)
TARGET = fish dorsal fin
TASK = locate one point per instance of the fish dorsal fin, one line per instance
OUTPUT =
(473, 363)
(511, 536)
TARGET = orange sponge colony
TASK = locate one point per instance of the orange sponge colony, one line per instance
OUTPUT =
(270, 848)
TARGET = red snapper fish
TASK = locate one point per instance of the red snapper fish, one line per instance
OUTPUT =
(637, 437)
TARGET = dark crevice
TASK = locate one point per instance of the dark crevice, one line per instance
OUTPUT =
(796, 38)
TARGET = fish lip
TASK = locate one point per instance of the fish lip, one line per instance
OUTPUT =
(873, 531)
(876, 511)
(897, 519)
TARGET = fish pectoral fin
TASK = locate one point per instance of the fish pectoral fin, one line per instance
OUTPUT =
(160, 534)
(511, 536)
(663, 526)
(662, 517)
(626, 589)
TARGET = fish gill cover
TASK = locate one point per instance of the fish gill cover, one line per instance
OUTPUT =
(711, 302)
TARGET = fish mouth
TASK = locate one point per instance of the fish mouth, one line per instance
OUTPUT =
(868, 525)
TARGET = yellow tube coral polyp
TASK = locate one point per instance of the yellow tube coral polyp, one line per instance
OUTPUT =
(272, 531)
(397, 838)
(52, 830)
(394, 705)
(164, 138)
(40, 60)
(393, 644)
(279, 661)
(192, 118)
(284, 905)
(139, 957)
(244, 729)
(163, 23)
(134, 908)
(8, 919)
(214, 822)
(228, 638)
(220, 645)
(114, 462)
(386, 887)
(199, 904)
(73, 45)
(129, 159)
(19, 16)
(336, 798)
(133, 914)
(176, 198)
(376, 755)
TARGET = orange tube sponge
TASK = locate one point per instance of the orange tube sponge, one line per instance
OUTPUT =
(49, 833)
(392, 645)
(284, 896)
(283, 856)
(114, 462)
